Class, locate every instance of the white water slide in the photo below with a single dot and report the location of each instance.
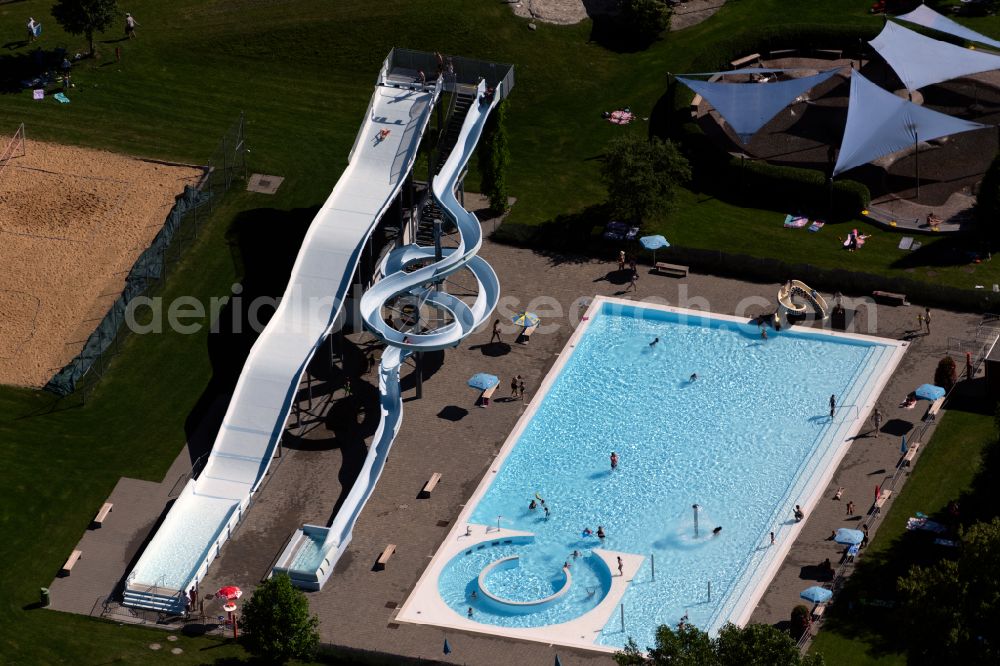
(793, 288)
(209, 508)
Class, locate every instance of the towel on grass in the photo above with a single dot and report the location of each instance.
(925, 524)
(816, 226)
(61, 98)
(795, 222)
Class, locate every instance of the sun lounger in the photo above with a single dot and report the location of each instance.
(852, 552)
(818, 611)
(911, 453)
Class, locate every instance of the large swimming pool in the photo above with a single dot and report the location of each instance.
(746, 441)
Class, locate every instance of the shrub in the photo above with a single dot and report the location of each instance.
(800, 621)
(494, 158)
(946, 373)
(644, 20)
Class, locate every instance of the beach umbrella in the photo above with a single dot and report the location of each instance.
(903, 448)
(929, 392)
(229, 592)
(558, 663)
(848, 536)
(878, 492)
(525, 319)
(654, 243)
(483, 381)
(447, 647)
(816, 594)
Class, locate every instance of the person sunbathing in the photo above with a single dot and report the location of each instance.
(909, 402)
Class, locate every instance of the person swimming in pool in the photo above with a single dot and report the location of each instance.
(600, 533)
(533, 505)
(654, 342)
(717, 530)
(587, 532)
(694, 376)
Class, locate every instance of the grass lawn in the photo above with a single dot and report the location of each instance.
(950, 468)
(303, 72)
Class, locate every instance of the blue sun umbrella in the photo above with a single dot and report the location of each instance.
(654, 243)
(447, 647)
(483, 381)
(525, 319)
(849, 537)
(816, 594)
(558, 662)
(929, 392)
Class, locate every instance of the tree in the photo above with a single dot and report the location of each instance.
(946, 374)
(644, 20)
(642, 176)
(276, 622)
(800, 620)
(753, 645)
(950, 610)
(85, 17)
(494, 158)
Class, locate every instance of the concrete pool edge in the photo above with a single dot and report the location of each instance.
(425, 605)
(425, 591)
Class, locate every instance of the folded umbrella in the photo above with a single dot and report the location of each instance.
(483, 381)
(816, 594)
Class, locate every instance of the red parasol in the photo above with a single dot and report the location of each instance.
(229, 592)
(878, 492)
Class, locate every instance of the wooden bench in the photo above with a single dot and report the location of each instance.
(695, 103)
(911, 453)
(70, 562)
(670, 269)
(818, 611)
(782, 53)
(933, 410)
(102, 515)
(746, 60)
(889, 297)
(384, 557)
(430, 485)
(833, 54)
(882, 499)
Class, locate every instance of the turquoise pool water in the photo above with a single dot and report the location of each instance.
(746, 441)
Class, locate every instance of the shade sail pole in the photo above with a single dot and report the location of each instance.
(916, 160)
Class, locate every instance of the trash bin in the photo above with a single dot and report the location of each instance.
(43, 596)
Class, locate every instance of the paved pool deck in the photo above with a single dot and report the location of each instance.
(444, 432)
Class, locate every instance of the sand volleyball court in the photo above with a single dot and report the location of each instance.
(72, 223)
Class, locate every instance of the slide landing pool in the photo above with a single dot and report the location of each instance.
(746, 441)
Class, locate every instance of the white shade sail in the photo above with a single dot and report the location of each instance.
(879, 123)
(749, 106)
(928, 18)
(920, 61)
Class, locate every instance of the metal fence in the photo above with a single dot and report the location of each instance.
(180, 230)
